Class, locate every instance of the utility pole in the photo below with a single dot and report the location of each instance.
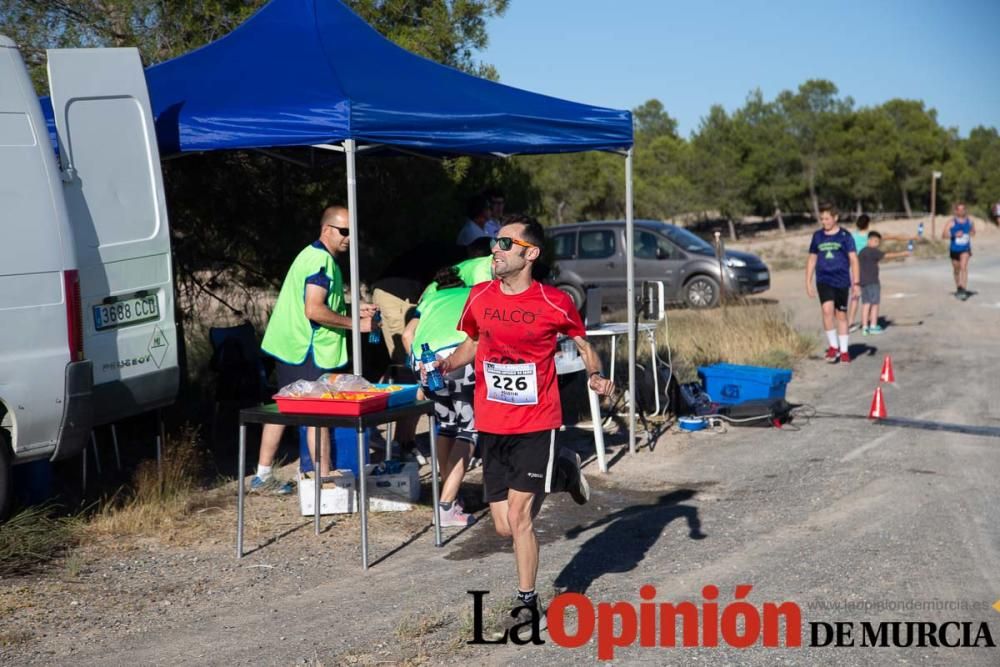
(934, 179)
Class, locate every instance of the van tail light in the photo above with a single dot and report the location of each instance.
(74, 315)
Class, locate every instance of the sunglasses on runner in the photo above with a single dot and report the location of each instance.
(344, 231)
(506, 242)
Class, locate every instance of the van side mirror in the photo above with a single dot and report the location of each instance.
(661, 253)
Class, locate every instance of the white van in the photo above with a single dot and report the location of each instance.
(87, 332)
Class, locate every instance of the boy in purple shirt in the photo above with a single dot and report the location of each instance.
(833, 261)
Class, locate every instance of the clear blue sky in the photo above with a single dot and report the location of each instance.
(696, 53)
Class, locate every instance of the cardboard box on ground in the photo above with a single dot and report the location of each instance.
(387, 491)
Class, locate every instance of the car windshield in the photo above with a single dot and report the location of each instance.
(687, 240)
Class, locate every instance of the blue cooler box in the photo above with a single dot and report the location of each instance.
(404, 396)
(729, 384)
(343, 449)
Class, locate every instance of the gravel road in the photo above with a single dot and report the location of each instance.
(851, 520)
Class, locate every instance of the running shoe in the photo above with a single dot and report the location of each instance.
(455, 517)
(876, 330)
(864, 331)
(854, 327)
(845, 357)
(521, 613)
(832, 354)
(271, 485)
(577, 486)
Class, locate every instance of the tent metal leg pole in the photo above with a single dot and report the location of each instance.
(350, 151)
(630, 298)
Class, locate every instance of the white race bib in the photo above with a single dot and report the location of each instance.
(961, 239)
(515, 384)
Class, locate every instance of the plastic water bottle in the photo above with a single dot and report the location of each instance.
(429, 360)
(909, 245)
(920, 231)
(375, 335)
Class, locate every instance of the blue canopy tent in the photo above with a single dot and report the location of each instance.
(313, 73)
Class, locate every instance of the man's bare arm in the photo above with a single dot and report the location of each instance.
(463, 354)
(317, 311)
(592, 362)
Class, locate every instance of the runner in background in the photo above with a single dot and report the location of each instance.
(833, 261)
(960, 229)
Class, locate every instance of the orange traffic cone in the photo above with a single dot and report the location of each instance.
(878, 405)
(887, 374)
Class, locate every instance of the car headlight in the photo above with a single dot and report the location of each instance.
(735, 263)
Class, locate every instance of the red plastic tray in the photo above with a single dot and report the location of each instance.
(327, 406)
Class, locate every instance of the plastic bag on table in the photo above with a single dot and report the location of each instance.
(345, 382)
(304, 388)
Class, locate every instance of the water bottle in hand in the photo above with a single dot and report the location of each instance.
(375, 335)
(429, 361)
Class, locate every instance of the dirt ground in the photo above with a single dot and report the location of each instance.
(834, 509)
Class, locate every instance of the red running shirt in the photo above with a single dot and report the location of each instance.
(516, 390)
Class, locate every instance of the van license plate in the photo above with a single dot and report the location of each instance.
(126, 310)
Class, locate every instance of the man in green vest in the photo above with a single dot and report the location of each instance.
(307, 333)
(436, 324)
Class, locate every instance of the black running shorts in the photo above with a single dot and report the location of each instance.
(957, 256)
(838, 295)
(522, 462)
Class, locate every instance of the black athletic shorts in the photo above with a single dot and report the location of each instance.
(838, 295)
(957, 256)
(522, 461)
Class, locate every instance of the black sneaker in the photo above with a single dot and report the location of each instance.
(520, 613)
(577, 486)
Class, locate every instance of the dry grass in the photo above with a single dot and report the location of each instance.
(10, 638)
(167, 509)
(929, 248)
(422, 623)
(783, 258)
(33, 537)
(758, 335)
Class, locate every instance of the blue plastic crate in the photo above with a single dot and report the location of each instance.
(404, 396)
(729, 384)
(343, 449)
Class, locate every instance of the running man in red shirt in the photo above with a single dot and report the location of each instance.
(512, 323)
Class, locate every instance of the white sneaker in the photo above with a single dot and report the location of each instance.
(455, 517)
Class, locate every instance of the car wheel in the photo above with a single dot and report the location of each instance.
(702, 292)
(574, 293)
(6, 478)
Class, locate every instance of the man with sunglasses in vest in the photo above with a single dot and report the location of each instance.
(307, 333)
(512, 323)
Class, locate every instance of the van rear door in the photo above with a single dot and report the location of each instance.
(114, 193)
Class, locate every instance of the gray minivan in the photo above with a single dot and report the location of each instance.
(87, 332)
(592, 254)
